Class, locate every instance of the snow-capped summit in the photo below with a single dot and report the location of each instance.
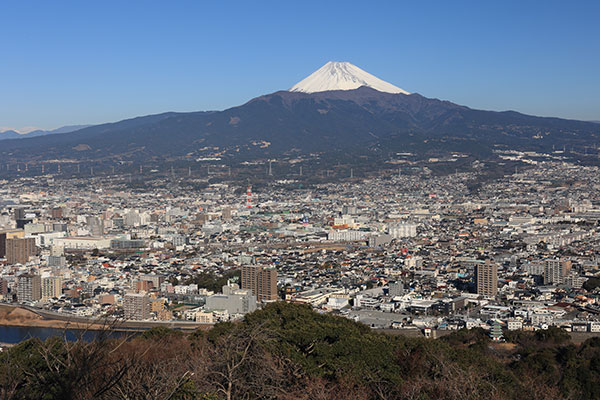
(342, 76)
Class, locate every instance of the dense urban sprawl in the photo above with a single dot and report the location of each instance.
(406, 251)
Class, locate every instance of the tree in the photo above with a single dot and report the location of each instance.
(591, 284)
(240, 364)
(57, 368)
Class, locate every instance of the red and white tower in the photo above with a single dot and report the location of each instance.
(249, 197)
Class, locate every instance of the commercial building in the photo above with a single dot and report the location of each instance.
(57, 261)
(233, 299)
(127, 243)
(233, 303)
(83, 243)
(346, 235)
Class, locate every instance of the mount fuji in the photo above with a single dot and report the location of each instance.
(342, 76)
(338, 110)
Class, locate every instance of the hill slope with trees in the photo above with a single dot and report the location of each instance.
(288, 351)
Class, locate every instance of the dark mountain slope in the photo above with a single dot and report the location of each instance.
(360, 120)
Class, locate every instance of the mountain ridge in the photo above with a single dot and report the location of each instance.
(12, 134)
(362, 120)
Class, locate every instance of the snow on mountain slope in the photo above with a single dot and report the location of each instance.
(342, 76)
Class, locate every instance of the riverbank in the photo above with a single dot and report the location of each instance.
(21, 316)
(17, 316)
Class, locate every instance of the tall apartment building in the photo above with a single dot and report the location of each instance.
(56, 213)
(555, 271)
(261, 280)
(29, 288)
(9, 234)
(143, 286)
(51, 287)
(19, 250)
(487, 279)
(136, 306)
(156, 280)
(95, 226)
(57, 261)
(19, 213)
(3, 287)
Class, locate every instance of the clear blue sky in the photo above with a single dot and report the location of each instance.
(73, 62)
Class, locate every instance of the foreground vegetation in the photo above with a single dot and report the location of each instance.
(290, 352)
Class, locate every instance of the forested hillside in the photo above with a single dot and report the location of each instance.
(290, 352)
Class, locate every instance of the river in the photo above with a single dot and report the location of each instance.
(16, 334)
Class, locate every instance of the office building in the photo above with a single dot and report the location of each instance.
(261, 281)
(239, 303)
(123, 244)
(233, 299)
(487, 279)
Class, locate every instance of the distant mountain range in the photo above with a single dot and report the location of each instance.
(360, 121)
(11, 134)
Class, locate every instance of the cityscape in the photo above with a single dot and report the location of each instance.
(408, 251)
(299, 200)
